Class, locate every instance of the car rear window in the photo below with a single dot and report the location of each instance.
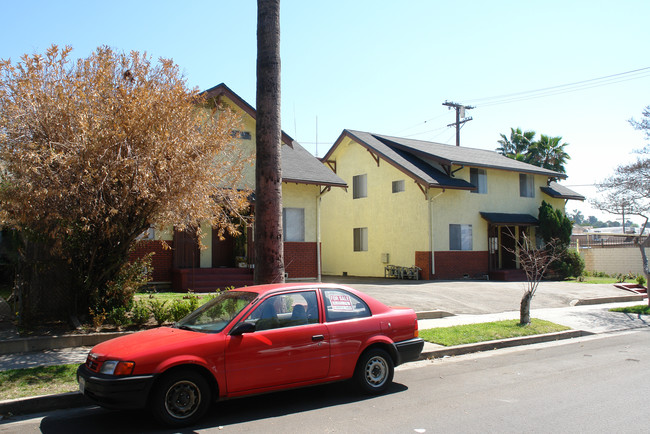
(341, 305)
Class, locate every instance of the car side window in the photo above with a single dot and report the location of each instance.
(341, 305)
(286, 310)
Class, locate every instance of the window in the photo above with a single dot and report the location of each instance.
(478, 178)
(244, 135)
(341, 305)
(460, 237)
(293, 224)
(398, 186)
(286, 310)
(359, 186)
(360, 239)
(526, 185)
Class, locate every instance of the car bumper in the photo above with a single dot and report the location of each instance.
(408, 351)
(114, 392)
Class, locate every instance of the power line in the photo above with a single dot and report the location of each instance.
(563, 88)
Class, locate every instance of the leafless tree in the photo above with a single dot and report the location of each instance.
(534, 260)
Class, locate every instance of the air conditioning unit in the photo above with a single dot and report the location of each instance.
(385, 258)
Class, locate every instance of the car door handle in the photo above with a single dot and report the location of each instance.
(317, 338)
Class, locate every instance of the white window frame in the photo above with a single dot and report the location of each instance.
(359, 186)
(360, 239)
(399, 186)
(526, 185)
(293, 224)
(478, 178)
(460, 237)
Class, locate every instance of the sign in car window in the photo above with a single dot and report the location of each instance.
(341, 305)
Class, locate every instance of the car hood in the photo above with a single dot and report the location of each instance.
(148, 342)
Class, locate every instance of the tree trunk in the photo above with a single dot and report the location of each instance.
(646, 270)
(269, 255)
(524, 310)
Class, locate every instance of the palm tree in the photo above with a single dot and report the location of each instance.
(269, 255)
(549, 153)
(517, 145)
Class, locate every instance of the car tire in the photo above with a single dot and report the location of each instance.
(374, 371)
(180, 398)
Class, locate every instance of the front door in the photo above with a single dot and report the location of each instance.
(186, 249)
(223, 251)
(508, 247)
(289, 346)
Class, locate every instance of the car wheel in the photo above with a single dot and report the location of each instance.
(374, 371)
(181, 398)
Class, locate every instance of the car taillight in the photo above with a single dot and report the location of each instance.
(416, 332)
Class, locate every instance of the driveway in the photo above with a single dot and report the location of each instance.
(473, 297)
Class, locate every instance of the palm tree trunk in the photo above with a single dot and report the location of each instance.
(269, 256)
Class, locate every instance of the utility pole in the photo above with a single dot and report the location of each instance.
(460, 117)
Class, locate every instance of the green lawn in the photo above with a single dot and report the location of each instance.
(642, 309)
(44, 380)
(471, 333)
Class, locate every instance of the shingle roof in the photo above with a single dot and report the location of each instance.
(406, 161)
(298, 165)
(561, 192)
(415, 157)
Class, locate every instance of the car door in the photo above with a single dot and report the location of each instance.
(289, 345)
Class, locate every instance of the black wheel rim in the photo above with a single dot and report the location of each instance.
(182, 399)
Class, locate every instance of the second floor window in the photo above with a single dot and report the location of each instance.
(478, 178)
(526, 185)
(398, 186)
(359, 186)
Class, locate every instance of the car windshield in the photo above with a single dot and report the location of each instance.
(215, 315)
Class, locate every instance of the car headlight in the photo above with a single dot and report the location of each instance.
(116, 367)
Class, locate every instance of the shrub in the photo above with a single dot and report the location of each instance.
(139, 313)
(159, 310)
(117, 316)
(571, 264)
(179, 309)
(640, 280)
(119, 292)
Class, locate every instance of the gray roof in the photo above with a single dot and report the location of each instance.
(561, 192)
(406, 161)
(414, 157)
(299, 166)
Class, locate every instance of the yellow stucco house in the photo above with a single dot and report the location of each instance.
(229, 262)
(445, 209)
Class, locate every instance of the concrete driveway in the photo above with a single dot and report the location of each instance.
(474, 297)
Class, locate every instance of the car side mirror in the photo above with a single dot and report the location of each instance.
(241, 328)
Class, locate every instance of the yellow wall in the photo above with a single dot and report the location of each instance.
(399, 223)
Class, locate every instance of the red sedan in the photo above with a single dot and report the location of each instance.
(252, 340)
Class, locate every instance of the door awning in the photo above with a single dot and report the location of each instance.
(508, 219)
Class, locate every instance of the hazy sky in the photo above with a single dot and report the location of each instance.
(387, 66)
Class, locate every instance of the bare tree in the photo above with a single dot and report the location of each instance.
(534, 261)
(269, 254)
(628, 190)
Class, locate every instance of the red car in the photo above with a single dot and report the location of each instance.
(252, 340)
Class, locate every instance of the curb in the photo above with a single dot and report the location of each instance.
(502, 343)
(40, 343)
(75, 399)
(605, 300)
(38, 404)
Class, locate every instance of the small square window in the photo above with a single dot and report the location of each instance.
(478, 178)
(526, 185)
(460, 237)
(359, 186)
(360, 239)
(398, 186)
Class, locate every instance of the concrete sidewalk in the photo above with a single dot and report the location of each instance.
(452, 303)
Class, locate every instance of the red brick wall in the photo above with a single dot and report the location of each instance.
(161, 260)
(300, 260)
(455, 264)
(423, 260)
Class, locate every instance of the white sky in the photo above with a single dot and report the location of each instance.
(387, 67)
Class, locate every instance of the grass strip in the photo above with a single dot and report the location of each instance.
(43, 380)
(471, 333)
(642, 309)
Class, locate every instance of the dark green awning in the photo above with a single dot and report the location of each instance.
(508, 219)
